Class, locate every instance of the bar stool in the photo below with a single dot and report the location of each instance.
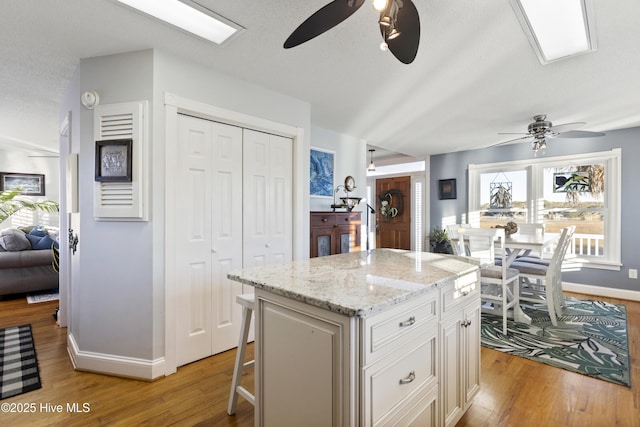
(247, 302)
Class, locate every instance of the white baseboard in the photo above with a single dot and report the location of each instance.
(109, 364)
(601, 291)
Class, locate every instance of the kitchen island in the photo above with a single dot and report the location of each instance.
(366, 338)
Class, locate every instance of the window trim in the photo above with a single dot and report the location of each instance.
(613, 196)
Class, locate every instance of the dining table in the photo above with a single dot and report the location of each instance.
(522, 244)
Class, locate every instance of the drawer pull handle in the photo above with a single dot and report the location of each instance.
(465, 293)
(466, 323)
(324, 220)
(409, 322)
(409, 379)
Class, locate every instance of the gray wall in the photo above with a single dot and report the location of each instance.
(113, 308)
(454, 165)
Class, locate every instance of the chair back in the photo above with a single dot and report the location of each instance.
(452, 231)
(531, 229)
(482, 244)
(555, 266)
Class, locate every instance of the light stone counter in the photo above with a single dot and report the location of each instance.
(358, 283)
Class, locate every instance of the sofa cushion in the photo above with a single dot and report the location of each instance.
(23, 259)
(13, 240)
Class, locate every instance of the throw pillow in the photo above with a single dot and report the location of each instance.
(33, 240)
(39, 231)
(13, 240)
(45, 243)
(26, 228)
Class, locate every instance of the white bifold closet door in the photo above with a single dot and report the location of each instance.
(267, 195)
(234, 198)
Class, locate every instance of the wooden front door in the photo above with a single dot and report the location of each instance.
(393, 198)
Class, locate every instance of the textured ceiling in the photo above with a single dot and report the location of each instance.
(475, 74)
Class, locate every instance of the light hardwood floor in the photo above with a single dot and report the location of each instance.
(515, 391)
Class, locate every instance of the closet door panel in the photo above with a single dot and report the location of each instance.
(193, 261)
(226, 247)
(257, 201)
(280, 192)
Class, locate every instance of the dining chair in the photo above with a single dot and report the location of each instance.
(498, 283)
(452, 231)
(540, 283)
(530, 229)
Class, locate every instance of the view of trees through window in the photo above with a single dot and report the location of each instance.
(577, 199)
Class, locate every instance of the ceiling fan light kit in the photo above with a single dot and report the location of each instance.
(399, 25)
(379, 5)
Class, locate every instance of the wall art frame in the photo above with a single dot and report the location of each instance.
(30, 184)
(321, 172)
(113, 160)
(447, 189)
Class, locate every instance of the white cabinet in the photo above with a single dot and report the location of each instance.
(416, 363)
(460, 343)
(399, 363)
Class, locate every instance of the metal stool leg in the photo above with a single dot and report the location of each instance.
(247, 302)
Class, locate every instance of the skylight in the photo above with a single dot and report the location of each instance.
(557, 29)
(188, 16)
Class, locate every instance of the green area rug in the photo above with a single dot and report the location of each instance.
(591, 338)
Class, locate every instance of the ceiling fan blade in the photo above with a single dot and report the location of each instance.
(512, 133)
(513, 140)
(405, 46)
(323, 20)
(579, 134)
(565, 127)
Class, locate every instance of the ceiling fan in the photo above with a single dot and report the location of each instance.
(541, 129)
(399, 25)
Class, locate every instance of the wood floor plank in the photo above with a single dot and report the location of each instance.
(514, 391)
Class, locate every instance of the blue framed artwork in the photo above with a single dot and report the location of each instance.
(322, 165)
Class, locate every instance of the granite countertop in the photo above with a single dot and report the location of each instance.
(358, 283)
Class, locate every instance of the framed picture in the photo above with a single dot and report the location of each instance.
(30, 184)
(447, 189)
(322, 166)
(113, 160)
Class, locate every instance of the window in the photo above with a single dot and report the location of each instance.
(581, 190)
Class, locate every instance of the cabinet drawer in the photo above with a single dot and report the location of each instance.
(320, 219)
(348, 218)
(462, 289)
(396, 379)
(419, 411)
(399, 326)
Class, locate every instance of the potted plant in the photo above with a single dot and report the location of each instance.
(439, 241)
(11, 202)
